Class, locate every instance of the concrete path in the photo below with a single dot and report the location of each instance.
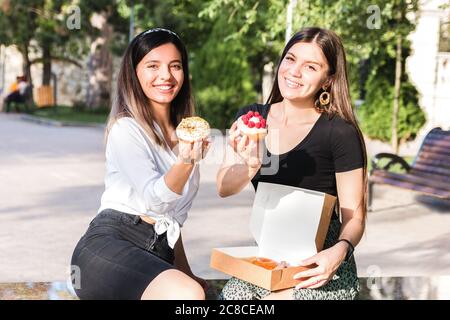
(52, 180)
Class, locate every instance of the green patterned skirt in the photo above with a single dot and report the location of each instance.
(343, 286)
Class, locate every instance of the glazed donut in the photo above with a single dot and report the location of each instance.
(193, 129)
(266, 263)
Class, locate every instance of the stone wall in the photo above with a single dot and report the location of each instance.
(72, 81)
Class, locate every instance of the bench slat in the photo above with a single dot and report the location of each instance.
(432, 170)
(439, 134)
(441, 163)
(427, 176)
(437, 143)
(433, 156)
(411, 186)
(430, 173)
(427, 181)
(435, 149)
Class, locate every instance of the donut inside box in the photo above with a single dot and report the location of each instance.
(289, 224)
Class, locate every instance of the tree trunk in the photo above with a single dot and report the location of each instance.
(100, 65)
(47, 65)
(26, 64)
(398, 75)
(26, 69)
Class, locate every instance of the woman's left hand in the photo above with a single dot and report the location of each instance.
(327, 262)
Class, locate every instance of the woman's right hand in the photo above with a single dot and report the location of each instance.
(248, 150)
(192, 152)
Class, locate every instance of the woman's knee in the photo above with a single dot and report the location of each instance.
(173, 285)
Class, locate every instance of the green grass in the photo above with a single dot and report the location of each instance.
(70, 114)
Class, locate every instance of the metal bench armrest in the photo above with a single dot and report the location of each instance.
(394, 159)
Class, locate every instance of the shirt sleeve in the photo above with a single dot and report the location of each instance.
(187, 207)
(346, 147)
(129, 155)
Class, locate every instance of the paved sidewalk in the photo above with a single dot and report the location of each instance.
(52, 180)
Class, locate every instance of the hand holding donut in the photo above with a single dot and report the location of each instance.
(193, 143)
(247, 143)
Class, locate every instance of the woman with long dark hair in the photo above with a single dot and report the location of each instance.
(133, 247)
(314, 139)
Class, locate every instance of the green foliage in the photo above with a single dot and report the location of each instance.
(117, 15)
(230, 41)
(222, 77)
(259, 27)
(227, 66)
(218, 105)
(17, 21)
(38, 26)
(375, 114)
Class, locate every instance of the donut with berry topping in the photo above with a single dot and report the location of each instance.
(253, 125)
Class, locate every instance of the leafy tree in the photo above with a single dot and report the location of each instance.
(222, 76)
(377, 110)
(105, 34)
(259, 27)
(37, 28)
(370, 46)
(230, 42)
(40, 27)
(391, 109)
(17, 27)
(228, 67)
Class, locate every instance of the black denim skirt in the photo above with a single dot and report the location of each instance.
(118, 256)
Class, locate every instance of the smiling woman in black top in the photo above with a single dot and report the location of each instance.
(331, 146)
(313, 142)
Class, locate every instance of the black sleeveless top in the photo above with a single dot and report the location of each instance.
(331, 146)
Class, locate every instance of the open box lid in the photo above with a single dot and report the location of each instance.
(288, 223)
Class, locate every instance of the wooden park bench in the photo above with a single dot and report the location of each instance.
(429, 173)
(25, 102)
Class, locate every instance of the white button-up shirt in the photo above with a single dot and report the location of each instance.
(134, 181)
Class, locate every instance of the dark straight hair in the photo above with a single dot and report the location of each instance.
(130, 99)
(340, 104)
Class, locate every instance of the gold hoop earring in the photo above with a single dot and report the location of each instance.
(319, 108)
(324, 98)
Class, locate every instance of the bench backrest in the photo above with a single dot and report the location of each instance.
(434, 155)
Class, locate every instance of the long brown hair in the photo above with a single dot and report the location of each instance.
(131, 101)
(340, 104)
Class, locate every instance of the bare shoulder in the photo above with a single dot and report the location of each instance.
(276, 109)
